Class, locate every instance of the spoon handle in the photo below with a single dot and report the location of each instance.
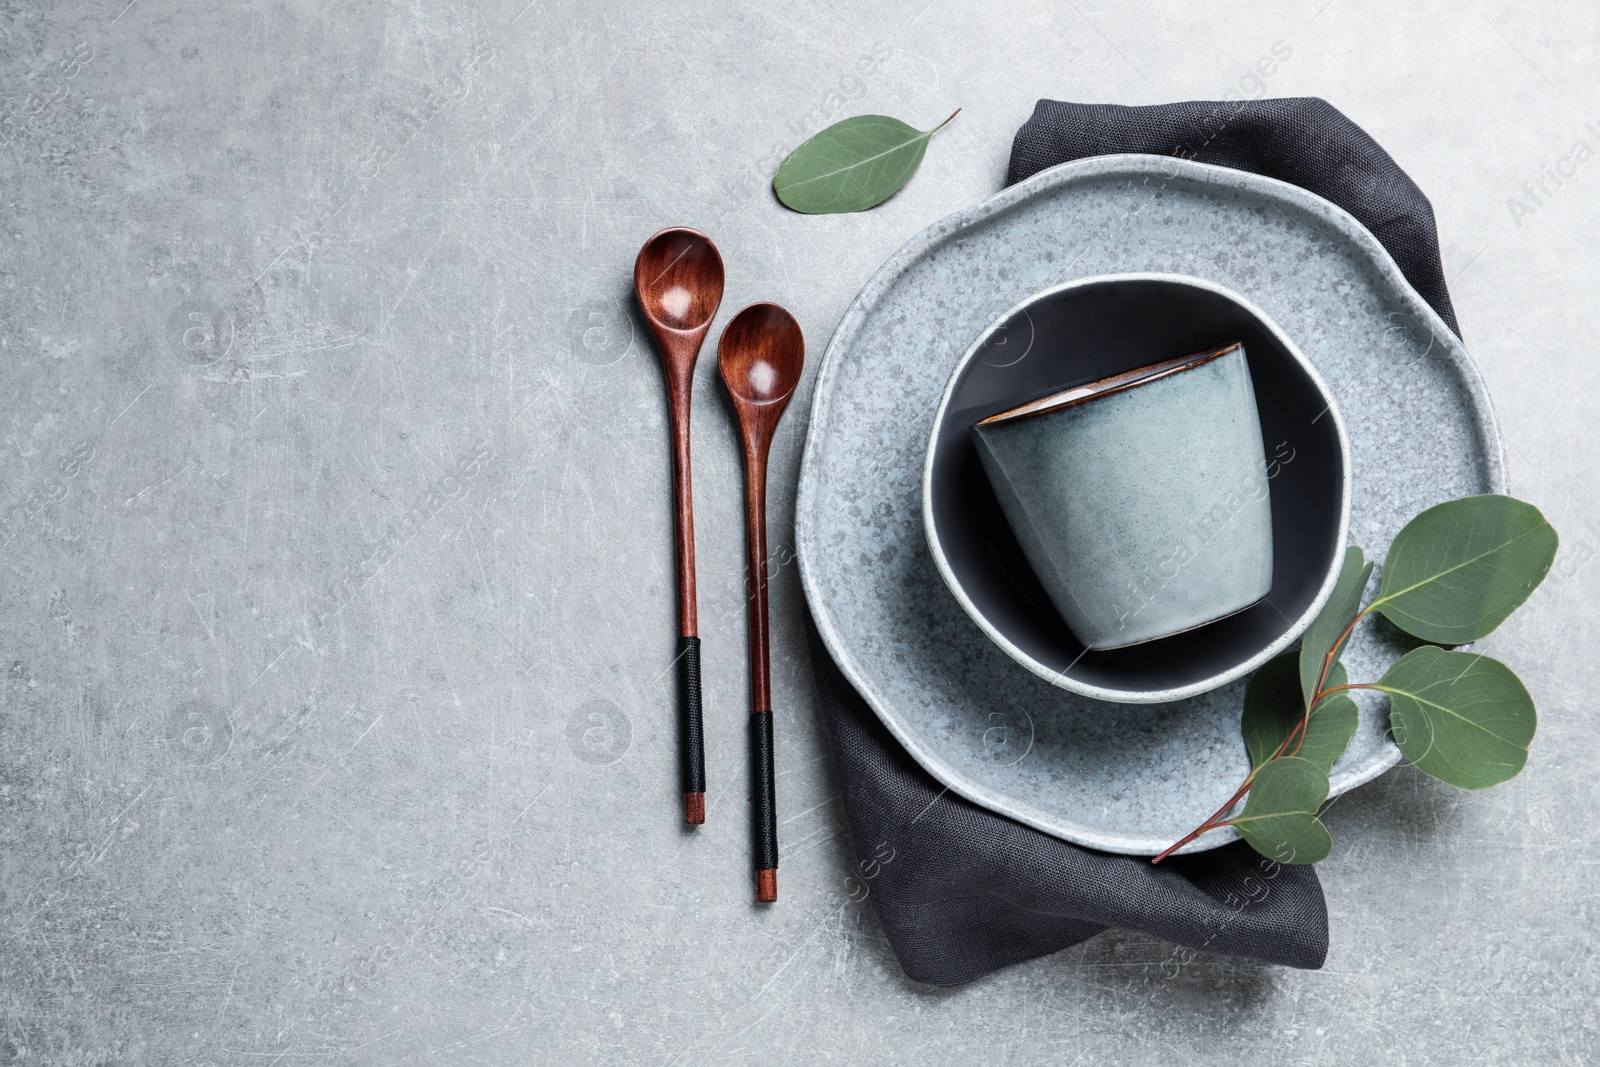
(691, 722)
(691, 729)
(763, 778)
(764, 799)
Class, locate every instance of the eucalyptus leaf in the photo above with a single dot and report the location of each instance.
(1457, 570)
(1280, 815)
(1272, 708)
(1331, 622)
(1463, 718)
(853, 165)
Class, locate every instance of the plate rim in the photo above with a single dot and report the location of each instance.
(1124, 165)
(1136, 696)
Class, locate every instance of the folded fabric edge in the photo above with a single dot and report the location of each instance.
(969, 949)
(1357, 178)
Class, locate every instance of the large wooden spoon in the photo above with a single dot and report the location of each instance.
(678, 280)
(761, 355)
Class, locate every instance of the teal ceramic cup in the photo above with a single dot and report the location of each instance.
(1141, 500)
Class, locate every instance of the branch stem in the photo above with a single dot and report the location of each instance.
(1342, 688)
(1297, 734)
(1327, 661)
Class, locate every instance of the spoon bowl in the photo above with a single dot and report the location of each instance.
(679, 279)
(761, 355)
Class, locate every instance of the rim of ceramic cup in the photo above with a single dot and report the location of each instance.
(1107, 386)
(1059, 678)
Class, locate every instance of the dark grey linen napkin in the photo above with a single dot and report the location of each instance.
(961, 891)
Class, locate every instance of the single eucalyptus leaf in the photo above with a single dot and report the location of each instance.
(1272, 708)
(1458, 716)
(1292, 837)
(1342, 606)
(1280, 814)
(1457, 570)
(853, 165)
(1333, 724)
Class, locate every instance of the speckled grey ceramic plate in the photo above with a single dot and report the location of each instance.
(1124, 778)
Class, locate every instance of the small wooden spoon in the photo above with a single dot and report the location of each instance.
(678, 280)
(761, 355)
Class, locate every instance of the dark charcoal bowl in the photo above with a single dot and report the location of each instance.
(1090, 329)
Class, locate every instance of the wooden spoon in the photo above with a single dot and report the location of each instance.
(678, 280)
(761, 355)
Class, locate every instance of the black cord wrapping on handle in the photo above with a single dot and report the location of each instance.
(691, 721)
(763, 792)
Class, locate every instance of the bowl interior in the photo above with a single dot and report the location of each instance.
(1086, 332)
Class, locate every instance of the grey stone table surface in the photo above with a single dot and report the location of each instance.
(336, 598)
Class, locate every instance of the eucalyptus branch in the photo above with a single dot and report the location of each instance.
(1296, 734)
(1453, 574)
